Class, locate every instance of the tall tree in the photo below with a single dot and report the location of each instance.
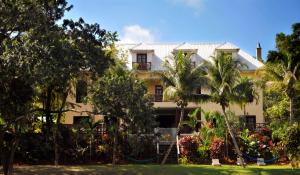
(16, 97)
(122, 99)
(282, 67)
(225, 85)
(182, 80)
(54, 54)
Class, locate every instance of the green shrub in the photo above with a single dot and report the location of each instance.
(203, 151)
(292, 144)
(183, 160)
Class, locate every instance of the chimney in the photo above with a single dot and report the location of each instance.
(258, 52)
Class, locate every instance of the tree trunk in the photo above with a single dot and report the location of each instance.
(9, 158)
(115, 144)
(56, 130)
(91, 141)
(56, 146)
(177, 132)
(291, 111)
(237, 149)
(48, 116)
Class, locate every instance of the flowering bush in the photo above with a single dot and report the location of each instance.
(217, 148)
(258, 144)
(188, 146)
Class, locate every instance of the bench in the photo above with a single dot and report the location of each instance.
(261, 162)
(215, 162)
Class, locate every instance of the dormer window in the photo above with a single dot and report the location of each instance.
(186, 48)
(143, 55)
(227, 48)
(142, 62)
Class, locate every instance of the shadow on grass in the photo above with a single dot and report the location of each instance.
(152, 169)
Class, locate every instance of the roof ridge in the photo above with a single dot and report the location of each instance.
(174, 43)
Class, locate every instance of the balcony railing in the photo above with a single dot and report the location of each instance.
(166, 134)
(142, 66)
(156, 97)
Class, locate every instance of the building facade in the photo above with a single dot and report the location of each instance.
(148, 59)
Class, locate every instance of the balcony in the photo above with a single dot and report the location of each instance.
(156, 97)
(142, 66)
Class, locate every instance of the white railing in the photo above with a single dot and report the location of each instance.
(166, 134)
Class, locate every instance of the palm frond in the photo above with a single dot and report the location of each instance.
(170, 93)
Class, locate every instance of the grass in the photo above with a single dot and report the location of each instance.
(154, 169)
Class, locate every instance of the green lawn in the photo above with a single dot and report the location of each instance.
(154, 169)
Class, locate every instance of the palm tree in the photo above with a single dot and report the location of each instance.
(246, 93)
(283, 72)
(224, 79)
(181, 79)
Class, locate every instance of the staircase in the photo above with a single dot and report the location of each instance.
(173, 156)
(168, 135)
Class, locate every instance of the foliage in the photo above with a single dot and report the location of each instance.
(278, 130)
(258, 144)
(282, 68)
(188, 146)
(183, 160)
(34, 149)
(217, 149)
(203, 151)
(119, 94)
(141, 147)
(122, 99)
(40, 57)
(276, 105)
(181, 79)
(292, 143)
(192, 120)
(219, 129)
(226, 86)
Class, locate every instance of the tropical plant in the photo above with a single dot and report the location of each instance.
(217, 148)
(246, 93)
(181, 80)
(282, 67)
(122, 99)
(215, 122)
(224, 80)
(292, 144)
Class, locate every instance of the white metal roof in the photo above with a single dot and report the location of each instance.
(204, 51)
(227, 46)
(141, 47)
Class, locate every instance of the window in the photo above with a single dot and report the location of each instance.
(158, 93)
(81, 91)
(198, 90)
(158, 90)
(141, 58)
(251, 122)
(248, 121)
(80, 120)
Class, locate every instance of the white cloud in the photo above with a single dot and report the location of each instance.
(136, 33)
(194, 4)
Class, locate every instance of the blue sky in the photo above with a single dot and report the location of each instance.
(242, 22)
